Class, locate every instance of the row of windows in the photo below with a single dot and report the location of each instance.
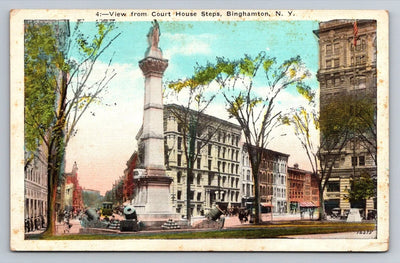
(334, 63)
(358, 160)
(35, 176)
(335, 49)
(221, 180)
(223, 167)
(273, 166)
(246, 175)
(280, 192)
(222, 137)
(234, 196)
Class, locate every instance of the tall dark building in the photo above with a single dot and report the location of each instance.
(348, 70)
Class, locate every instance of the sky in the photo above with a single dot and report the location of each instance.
(106, 133)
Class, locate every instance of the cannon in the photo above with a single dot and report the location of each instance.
(130, 213)
(130, 222)
(215, 213)
(90, 219)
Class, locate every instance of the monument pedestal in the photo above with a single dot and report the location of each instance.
(151, 201)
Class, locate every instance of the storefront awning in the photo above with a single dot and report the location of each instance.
(307, 204)
(266, 204)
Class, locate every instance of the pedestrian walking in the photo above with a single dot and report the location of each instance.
(31, 222)
(26, 225)
(42, 220)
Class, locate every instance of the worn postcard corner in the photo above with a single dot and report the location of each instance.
(199, 130)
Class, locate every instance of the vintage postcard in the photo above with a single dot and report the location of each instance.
(199, 130)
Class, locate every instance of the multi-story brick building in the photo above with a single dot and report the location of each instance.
(273, 179)
(302, 188)
(128, 184)
(216, 172)
(73, 200)
(348, 69)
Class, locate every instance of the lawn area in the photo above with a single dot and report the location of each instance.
(248, 232)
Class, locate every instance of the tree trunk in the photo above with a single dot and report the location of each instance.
(54, 172)
(321, 210)
(257, 200)
(189, 170)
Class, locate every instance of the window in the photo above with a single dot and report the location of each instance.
(179, 177)
(333, 187)
(223, 152)
(328, 49)
(179, 161)
(198, 196)
(336, 63)
(180, 127)
(361, 160)
(198, 163)
(223, 167)
(328, 63)
(198, 179)
(179, 143)
(191, 196)
(336, 48)
(210, 178)
(209, 149)
(219, 150)
(179, 195)
(191, 178)
(209, 164)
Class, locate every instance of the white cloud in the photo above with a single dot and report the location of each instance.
(187, 45)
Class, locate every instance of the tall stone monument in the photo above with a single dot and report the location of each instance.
(152, 198)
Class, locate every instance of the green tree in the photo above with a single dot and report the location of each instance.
(341, 119)
(361, 189)
(253, 107)
(57, 94)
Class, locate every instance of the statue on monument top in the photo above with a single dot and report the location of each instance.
(153, 36)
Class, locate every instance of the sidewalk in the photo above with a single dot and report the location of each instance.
(76, 225)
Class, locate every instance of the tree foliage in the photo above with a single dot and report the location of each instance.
(250, 87)
(340, 120)
(361, 188)
(42, 61)
(57, 90)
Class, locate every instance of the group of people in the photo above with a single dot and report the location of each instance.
(34, 223)
(304, 210)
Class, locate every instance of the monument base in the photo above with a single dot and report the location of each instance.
(354, 215)
(152, 199)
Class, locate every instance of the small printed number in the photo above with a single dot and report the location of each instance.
(364, 232)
